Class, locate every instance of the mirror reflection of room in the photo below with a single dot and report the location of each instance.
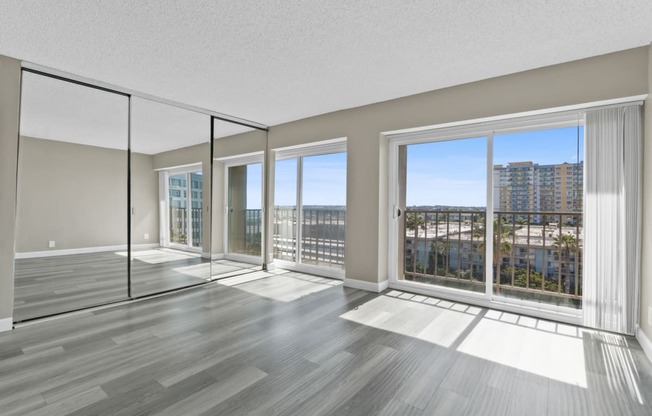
(71, 227)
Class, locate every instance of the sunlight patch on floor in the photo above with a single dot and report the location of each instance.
(285, 287)
(529, 345)
(548, 349)
(438, 322)
(160, 255)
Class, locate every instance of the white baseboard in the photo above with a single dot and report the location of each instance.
(375, 287)
(6, 324)
(217, 256)
(645, 342)
(84, 250)
(205, 255)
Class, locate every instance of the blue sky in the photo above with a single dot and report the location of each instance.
(324, 180)
(439, 173)
(454, 172)
(254, 186)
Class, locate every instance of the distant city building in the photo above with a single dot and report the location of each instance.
(179, 191)
(528, 186)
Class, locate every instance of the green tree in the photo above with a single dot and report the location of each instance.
(536, 279)
(565, 244)
(438, 256)
(415, 221)
(502, 245)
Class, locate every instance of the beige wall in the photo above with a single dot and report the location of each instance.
(575, 82)
(76, 195)
(9, 117)
(646, 264)
(144, 200)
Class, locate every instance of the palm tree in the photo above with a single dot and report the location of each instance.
(501, 241)
(438, 254)
(565, 244)
(521, 221)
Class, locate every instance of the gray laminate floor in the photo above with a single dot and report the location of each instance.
(285, 343)
(50, 285)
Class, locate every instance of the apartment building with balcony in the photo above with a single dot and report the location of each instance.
(529, 186)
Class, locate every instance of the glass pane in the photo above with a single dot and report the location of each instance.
(71, 231)
(443, 224)
(538, 194)
(285, 210)
(324, 210)
(245, 209)
(196, 213)
(167, 230)
(178, 202)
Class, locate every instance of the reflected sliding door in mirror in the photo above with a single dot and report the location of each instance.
(185, 201)
(244, 210)
(238, 243)
(170, 151)
(71, 228)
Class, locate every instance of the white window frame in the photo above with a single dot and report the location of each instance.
(471, 129)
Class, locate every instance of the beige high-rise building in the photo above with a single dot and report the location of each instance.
(528, 186)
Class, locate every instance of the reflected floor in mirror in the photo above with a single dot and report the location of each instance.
(286, 343)
(51, 285)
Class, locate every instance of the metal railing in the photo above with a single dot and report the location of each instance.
(253, 234)
(322, 236)
(536, 255)
(179, 226)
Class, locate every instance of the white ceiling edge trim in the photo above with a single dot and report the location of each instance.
(134, 93)
(476, 125)
(321, 147)
(179, 168)
(241, 159)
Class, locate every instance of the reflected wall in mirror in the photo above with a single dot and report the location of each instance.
(170, 157)
(238, 232)
(71, 226)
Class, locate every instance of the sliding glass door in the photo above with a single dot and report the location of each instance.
(445, 213)
(310, 211)
(538, 215)
(505, 207)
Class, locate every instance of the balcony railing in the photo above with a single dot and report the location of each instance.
(179, 226)
(253, 235)
(536, 255)
(322, 236)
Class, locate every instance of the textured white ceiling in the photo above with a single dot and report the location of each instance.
(277, 61)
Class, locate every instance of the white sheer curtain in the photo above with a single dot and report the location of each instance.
(612, 218)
